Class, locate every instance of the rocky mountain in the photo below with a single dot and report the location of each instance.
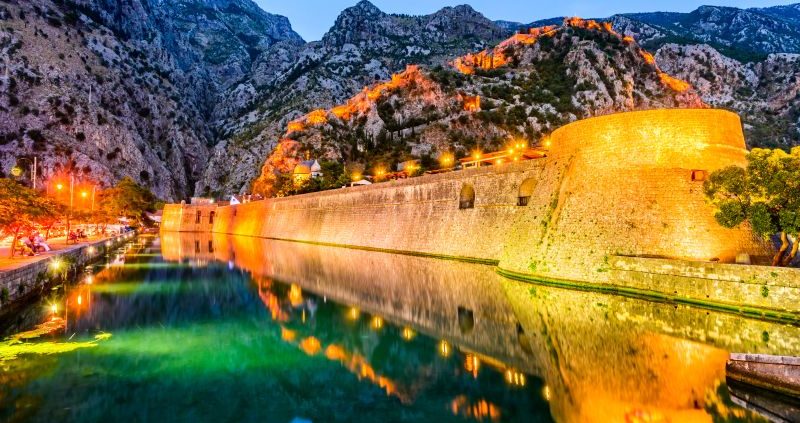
(102, 89)
(523, 88)
(195, 96)
(766, 94)
(746, 34)
(363, 46)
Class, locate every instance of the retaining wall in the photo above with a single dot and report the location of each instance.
(28, 280)
(627, 184)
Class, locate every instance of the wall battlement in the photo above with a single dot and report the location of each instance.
(623, 184)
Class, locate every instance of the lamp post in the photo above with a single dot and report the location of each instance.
(17, 171)
(59, 187)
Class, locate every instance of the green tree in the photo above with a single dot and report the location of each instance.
(21, 209)
(766, 194)
(127, 199)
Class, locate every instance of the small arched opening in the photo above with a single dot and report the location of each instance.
(466, 320)
(467, 197)
(525, 192)
(211, 218)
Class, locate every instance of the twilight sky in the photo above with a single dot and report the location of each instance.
(312, 18)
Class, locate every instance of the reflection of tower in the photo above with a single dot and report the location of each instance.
(607, 358)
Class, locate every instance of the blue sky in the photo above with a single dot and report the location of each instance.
(312, 18)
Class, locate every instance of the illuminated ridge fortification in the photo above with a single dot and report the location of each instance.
(617, 204)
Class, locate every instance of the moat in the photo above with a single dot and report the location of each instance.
(188, 327)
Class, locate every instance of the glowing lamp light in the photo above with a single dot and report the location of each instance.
(476, 155)
(89, 279)
(444, 349)
(55, 264)
(90, 250)
(84, 194)
(108, 243)
(59, 186)
(16, 171)
(499, 161)
(472, 364)
(377, 323)
(356, 177)
(408, 333)
(80, 300)
(546, 393)
(53, 308)
(353, 313)
(515, 378)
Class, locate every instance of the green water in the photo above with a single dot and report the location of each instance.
(267, 331)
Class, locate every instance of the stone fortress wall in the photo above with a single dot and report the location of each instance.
(613, 189)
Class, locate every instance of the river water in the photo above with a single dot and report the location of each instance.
(202, 328)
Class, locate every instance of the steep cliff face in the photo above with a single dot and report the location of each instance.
(525, 87)
(191, 96)
(104, 89)
(363, 46)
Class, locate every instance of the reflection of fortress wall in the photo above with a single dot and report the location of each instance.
(418, 291)
(608, 358)
(603, 357)
(628, 184)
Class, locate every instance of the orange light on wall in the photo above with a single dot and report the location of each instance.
(377, 323)
(472, 364)
(317, 117)
(515, 378)
(353, 313)
(446, 160)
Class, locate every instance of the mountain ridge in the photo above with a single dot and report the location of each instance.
(192, 96)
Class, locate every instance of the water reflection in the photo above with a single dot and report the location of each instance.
(242, 329)
(602, 358)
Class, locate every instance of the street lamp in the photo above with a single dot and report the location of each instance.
(16, 171)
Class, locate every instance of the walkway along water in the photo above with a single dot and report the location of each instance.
(23, 279)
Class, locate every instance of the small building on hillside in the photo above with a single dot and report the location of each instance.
(306, 170)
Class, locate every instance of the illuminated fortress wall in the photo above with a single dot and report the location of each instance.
(419, 214)
(630, 184)
(614, 194)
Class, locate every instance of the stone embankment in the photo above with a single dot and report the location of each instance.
(25, 281)
(617, 205)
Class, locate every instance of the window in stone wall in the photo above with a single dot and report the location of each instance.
(211, 218)
(210, 246)
(466, 320)
(467, 197)
(198, 216)
(525, 192)
(699, 175)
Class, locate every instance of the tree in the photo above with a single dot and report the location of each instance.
(127, 199)
(766, 194)
(21, 209)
